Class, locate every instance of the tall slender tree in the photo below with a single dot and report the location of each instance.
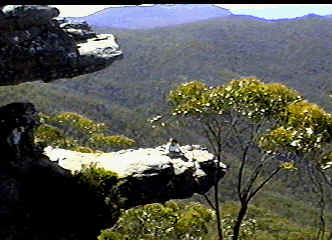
(260, 123)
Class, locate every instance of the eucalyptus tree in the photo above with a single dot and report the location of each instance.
(307, 132)
(256, 122)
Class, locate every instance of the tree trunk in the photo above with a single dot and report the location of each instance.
(219, 226)
(240, 217)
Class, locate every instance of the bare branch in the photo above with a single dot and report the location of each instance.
(209, 202)
(252, 194)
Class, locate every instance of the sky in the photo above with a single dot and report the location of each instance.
(268, 11)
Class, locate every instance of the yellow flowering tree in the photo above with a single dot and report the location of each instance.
(268, 126)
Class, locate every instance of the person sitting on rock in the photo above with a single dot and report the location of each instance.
(175, 150)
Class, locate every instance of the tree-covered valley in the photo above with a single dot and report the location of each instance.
(127, 95)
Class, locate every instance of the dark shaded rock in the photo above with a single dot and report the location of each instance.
(25, 16)
(35, 46)
(38, 199)
(16, 130)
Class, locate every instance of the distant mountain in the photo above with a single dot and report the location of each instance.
(286, 11)
(159, 15)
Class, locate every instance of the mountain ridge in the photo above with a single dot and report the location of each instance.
(159, 15)
(166, 15)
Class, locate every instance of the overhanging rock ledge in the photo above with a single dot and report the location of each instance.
(34, 45)
(150, 174)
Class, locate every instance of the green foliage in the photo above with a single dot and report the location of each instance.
(258, 100)
(173, 220)
(48, 134)
(263, 223)
(96, 178)
(187, 94)
(244, 111)
(307, 127)
(103, 184)
(326, 161)
(299, 126)
(83, 149)
(248, 228)
(63, 129)
(99, 141)
(79, 122)
(247, 96)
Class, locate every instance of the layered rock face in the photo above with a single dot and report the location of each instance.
(28, 180)
(35, 46)
(150, 174)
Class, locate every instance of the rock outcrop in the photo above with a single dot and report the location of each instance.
(36, 46)
(42, 199)
(39, 199)
(150, 174)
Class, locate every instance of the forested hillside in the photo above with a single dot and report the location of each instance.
(294, 52)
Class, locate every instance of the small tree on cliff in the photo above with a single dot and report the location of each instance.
(64, 129)
(243, 117)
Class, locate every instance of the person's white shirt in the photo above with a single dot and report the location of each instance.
(174, 148)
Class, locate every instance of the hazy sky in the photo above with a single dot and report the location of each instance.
(260, 10)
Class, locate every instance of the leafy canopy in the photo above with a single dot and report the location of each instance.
(297, 125)
(157, 221)
(76, 132)
(248, 96)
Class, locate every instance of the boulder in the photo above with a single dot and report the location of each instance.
(149, 174)
(34, 45)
